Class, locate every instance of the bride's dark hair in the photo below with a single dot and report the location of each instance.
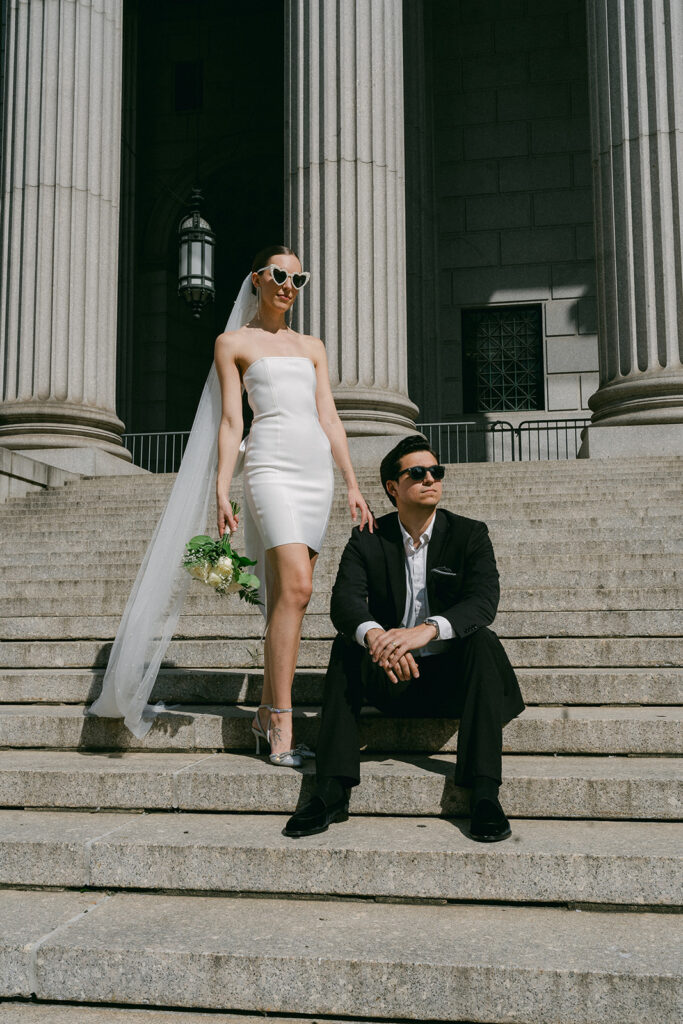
(264, 256)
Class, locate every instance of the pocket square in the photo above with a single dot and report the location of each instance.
(443, 570)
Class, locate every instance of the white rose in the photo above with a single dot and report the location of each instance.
(225, 564)
(199, 570)
(214, 579)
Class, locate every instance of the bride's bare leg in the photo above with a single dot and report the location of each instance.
(289, 580)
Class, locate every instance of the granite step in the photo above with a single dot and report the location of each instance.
(227, 652)
(143, 516)
(625, 470)
(503, 501)
(584, 686)
(505, 530)
(157, 488)
(553, 730)
(531, 565)
(534, 786)
(248, 624)
(68, 577)
(341, 958)
(499, 511)
(21, 1012)
(105, 597)
(464, 494)
(479, 493)
(526, 549)
(605, 862)
(468, 476)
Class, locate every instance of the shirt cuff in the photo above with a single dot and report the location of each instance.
(446, 631)
(363, 629)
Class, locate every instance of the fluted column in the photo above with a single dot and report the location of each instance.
(58, 248)
(636, 85)
(345, 205)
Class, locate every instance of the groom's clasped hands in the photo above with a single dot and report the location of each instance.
(392, 649)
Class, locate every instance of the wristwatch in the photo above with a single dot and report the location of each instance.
(435, 624)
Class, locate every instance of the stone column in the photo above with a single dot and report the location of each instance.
(636, 86)
(345, 202)
(58, 247)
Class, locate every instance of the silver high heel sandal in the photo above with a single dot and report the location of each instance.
(257, 729)
(288, 758)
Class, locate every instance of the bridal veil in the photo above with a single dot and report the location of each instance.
(156, 600)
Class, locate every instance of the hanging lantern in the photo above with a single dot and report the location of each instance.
(195, 267)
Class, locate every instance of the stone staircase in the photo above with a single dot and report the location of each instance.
(153, 873)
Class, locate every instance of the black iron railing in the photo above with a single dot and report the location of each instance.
(157, 452)
(498, 441)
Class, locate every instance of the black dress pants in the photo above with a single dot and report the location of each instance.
(472, 680)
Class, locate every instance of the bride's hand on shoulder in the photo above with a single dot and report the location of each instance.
(226, 519)
(357, 503)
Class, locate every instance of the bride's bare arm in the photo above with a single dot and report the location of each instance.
(334, 428)
(229, 430)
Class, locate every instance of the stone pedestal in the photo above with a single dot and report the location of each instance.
(636, 87)
(59, 242)
(345, 212)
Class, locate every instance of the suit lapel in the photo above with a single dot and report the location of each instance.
(437, 542)
(392, 544)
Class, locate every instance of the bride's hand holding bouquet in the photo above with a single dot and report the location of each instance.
(215, 562)
(227, 515)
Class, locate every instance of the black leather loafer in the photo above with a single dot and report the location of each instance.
(489, 824)
(316, 816)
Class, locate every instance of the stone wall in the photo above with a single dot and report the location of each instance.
(513, 180)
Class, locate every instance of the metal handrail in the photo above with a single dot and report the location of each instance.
(449, 439)
(549, 440)
(465, 441)
(157, 451)
(500, 441)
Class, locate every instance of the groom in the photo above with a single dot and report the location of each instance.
(411, 603)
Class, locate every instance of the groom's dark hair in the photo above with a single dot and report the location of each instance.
(390, 465)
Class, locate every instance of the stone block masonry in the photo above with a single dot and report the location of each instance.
(512, 167)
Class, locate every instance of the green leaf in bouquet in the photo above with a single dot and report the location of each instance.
(247, 579)
(199, 541)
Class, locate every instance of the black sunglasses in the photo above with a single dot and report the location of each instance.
(420, 472)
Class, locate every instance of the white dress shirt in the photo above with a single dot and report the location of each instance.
(417, 602)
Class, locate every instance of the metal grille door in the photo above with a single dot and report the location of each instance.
(502, 359)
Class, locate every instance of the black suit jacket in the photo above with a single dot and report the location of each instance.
(462, 578)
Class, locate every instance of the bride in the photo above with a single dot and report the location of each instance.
(288, 485)
(288, 479)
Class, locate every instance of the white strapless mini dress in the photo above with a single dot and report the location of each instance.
(288, 473)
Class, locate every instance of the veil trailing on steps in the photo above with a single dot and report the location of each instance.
(156, 600)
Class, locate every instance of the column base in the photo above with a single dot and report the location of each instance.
(32, 426)
(654, 396)
(604, 441)
(374, 412)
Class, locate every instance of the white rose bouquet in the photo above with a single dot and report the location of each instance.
(216, 563)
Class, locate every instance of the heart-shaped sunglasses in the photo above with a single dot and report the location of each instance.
(280, 275)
